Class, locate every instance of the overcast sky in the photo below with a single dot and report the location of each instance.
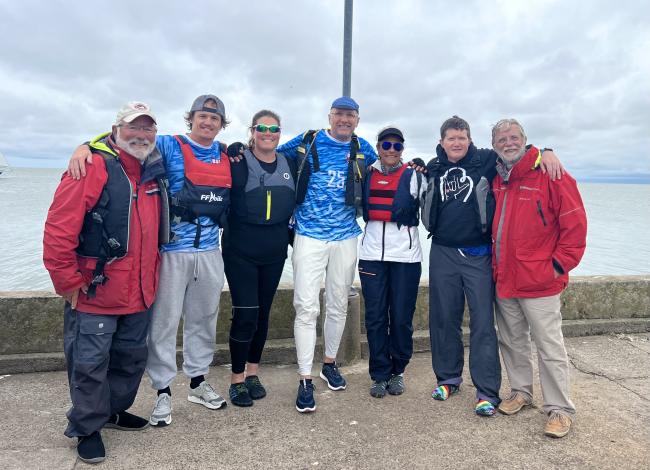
(575, 73)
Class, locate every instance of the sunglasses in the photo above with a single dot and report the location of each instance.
(273, 129)
(398, 146)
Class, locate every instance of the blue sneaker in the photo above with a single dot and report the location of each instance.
(330, 374)
(305, 402)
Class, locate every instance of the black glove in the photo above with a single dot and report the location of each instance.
(419, 162)
(236, 149)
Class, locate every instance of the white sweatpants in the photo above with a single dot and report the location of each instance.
(312, 260)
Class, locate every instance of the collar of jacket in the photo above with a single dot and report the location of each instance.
(528, 162)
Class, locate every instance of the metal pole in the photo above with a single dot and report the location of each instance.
(347, 48)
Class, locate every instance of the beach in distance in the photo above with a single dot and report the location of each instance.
(618, 240)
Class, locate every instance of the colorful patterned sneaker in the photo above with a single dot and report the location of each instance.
(239, 395)
(396, 385)
(330, 374)
(378, 388)
(161, 415)
(443, 392)
(255, 388)
(305, 402)
(205, 395)
(484, 408)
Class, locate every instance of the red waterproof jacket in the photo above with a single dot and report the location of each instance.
(538, 225)
(133, 279)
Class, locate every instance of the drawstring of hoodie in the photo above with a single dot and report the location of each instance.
(196, 266)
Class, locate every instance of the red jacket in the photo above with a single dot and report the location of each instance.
(133, 279)
(538, 224)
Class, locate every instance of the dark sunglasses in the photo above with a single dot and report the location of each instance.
(273, 129)
(398, 146)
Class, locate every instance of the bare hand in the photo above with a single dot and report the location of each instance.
(77, 163)
(551, 164)
(73, 296)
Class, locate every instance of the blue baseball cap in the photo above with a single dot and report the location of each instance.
(345, 102)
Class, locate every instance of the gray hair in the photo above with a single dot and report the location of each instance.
(505, 124)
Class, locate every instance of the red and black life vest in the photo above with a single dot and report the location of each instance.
(205, 191)
(388, 197)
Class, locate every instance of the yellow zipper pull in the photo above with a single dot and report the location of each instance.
(268, 205)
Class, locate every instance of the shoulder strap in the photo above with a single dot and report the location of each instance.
(308, 140)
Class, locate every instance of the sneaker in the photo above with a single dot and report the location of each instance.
(205, 395)
(255, 388)
(125, 421)
(557, 425)
(396, 385)
(161, 415)
(91, 449)
(330, 374)
(514, 403)
(443, 392)
(305, 402)
(484, 408)
(239, 395)
(378, 388)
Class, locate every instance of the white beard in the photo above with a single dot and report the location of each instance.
(130, 147)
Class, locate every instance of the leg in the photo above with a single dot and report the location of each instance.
(446, 307)
(269, 278)
(128, 358)
(374, 285)
(484, 364)
(340, 274)
(175, 270)
(515, 345)
(242, 281)
(404, 284)
(309, 263)
(545, 321)
(201, 308)
(87, 350)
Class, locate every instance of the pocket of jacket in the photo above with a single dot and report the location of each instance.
(534, 270)
(115, 292)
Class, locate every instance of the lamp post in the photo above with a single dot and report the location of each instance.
(347, 48)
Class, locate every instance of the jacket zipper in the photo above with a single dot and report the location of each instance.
(541, 213)
(268, 204)
(383, 239)
(408, 229)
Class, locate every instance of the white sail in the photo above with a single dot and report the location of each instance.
(3, 163)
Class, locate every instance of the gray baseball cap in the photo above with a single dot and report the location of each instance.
(199, 105)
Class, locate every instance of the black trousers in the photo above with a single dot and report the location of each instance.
(390, 291)
(252, 288)
(105, 356)
(453, 277)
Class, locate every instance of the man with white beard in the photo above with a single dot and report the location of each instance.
(100, 247)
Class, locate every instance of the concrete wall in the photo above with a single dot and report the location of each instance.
(31, 323)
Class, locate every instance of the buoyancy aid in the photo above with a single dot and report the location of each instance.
(388, 197)
(106, 227)
(205, 191)
(269, 198)
(356, 171)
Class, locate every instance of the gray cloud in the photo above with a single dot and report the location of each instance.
(574, 73)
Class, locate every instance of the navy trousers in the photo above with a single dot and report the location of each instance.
(105, 356)
(453, 277)
(389, 291)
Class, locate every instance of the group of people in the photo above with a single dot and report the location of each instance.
(132, 242)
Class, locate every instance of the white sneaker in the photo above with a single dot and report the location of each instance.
(205, 395)
(161, 415)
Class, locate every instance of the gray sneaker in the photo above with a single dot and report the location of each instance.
(378, 388)
(161, 415)
(205, 395)
(396, 385)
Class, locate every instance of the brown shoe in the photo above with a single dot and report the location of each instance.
(514, 403)
(557, 425)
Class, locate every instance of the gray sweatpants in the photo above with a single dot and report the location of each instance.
(518, 320)
(189, 287)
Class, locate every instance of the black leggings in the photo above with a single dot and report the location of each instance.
(252, 288)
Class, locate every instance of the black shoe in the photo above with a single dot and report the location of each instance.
(125, 421)
(90, 449)
(239, 395)
(255, 388)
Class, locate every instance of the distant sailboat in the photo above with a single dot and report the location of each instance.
(4, 166)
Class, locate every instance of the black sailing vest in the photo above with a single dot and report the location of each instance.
(267, 198)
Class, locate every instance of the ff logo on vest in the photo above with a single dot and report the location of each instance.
(211, 197)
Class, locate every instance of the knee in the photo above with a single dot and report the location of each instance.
(244, 324)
